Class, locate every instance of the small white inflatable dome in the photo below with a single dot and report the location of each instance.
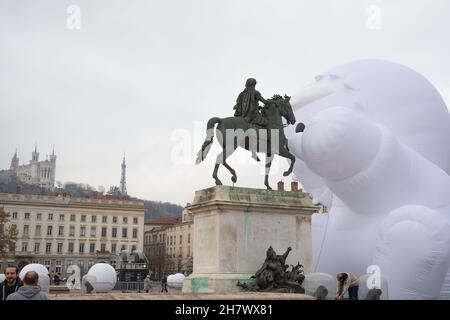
(105, 275)
(175, 280)
(2, 277)
(36, 267)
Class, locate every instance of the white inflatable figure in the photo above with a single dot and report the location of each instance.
(2, 277)
(104, 276)
(376, 150)
(175, 280)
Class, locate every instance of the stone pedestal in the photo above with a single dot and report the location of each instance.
(234, 227)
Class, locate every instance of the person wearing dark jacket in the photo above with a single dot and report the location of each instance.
(11, 284)
(164, 284)
(30, 290)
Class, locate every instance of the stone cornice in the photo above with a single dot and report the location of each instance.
(69, 202)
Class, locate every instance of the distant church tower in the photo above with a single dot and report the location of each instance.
(123, 179)
(14, 162)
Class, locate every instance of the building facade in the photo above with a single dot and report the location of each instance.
(58, 231)
(168, 245)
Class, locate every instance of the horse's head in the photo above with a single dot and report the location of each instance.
(284, 105)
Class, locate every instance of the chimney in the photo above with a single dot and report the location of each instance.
(280, 186)
(294, 186)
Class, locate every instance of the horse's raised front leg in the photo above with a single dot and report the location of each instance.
(268, 164)
(286, 154)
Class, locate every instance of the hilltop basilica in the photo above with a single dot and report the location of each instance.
(39, 173)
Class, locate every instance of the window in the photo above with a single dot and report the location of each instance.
(103, 247)
(37, 247)
(61, 231)
(92, 248)
(124, 232)
(114, 219)
(14, 215)
(170, 240)
(114, 232)
(49, 230)
(135, 233)
(58, 266)
(12, 247)
(59, 247)
(125, 219)
(47, 264)
(39, 216)
(71, 245)
(83, 218)
(103, 231)
(135, 220)
(189, 251)
(189, 238)
(180, 252)
(113, 248)
(104, 219)
(26, 228)
(72, 217)
(82, 231)
(50, 216)
(181, 239)
(27, 216)
(71, 231)
(69, 263)
(123, 247)
(81, 248)
(61, 217)
(94, 219)
(24, 246)
(37, 231)
(81, 264)
(93, 231)
(48, 247)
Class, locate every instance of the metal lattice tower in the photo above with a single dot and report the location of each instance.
(123, 179)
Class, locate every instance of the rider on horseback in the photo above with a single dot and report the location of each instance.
(247, 104)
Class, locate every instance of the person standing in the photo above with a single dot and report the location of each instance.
(147, 283)
(11, 284)
(164, 284)
(347, 283)
(30, 290)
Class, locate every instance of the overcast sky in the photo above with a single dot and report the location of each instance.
(143, 77)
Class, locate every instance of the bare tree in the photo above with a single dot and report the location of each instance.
(8, 234)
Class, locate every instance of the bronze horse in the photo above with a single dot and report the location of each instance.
(234, 132)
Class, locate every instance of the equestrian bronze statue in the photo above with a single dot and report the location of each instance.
(254, 128)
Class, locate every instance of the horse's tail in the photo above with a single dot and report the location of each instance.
(201, 155)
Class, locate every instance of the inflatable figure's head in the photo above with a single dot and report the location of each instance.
(388, 94)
